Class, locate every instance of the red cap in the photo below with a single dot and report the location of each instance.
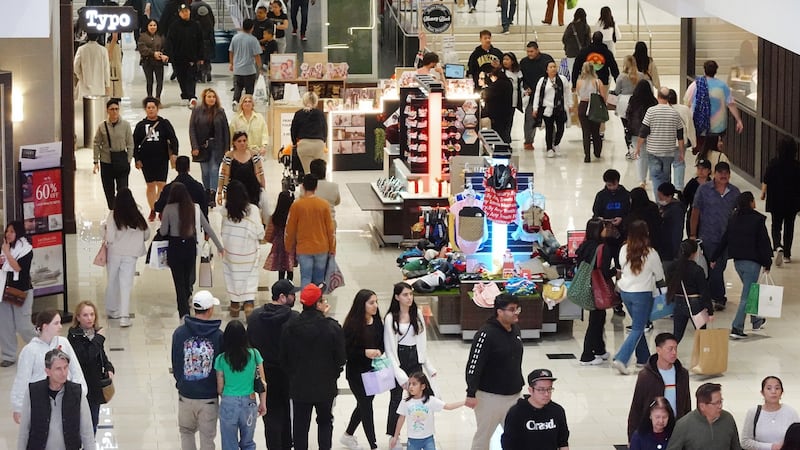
(310, 295)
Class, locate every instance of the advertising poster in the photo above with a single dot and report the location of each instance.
(574, 240)
(47, 268)
(349, 133)
(286, 128)
(42, 201)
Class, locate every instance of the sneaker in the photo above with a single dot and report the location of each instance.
(620, 367)
(586, 159)
(737, 334)
(125, 322)
(294, 32)
(303, 38)
(604, 356)
(556, 149)
(629, 156)
(192, 103)
(595, 362)
(235, 106)
(640, 365)
(551, 153)
(648, 327)
(7, 363)
(779, 257)
(112, 316)
(506, 31)
(349, 442)
(618, 311)
(787, 260)
(528, 146)
(471, 9)
(758, 325)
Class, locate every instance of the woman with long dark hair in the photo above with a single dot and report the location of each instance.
(779, 187)
(241, 232)
(645, 63)
(126, 232)
(641, 99)
(497, 97)
(244, 165)
(576, 36)
(210, 138)
(16, 257)
(151, 57)
(641, 268)
(155, 145)
(552, 101)
(236, 368)
(656, 427)
(687, 286)
(606, 25)
(747, 242)
(405, 344)
(181, 223)
(513, 72)
(279, 259)
(766, 425)
(363, 334)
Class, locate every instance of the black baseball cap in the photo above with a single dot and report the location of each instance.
(183, 6)
(540, 374)
(284, 287)
(704, 163)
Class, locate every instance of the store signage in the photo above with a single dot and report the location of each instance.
(437, 18)
(107, 19)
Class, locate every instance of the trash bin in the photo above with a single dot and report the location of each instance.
(223, 42)
(94, 112)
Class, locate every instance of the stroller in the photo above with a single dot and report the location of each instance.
(292, 169)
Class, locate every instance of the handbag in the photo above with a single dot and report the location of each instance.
(710, 352)
(14, 296)
(101, 257)
(378, 381)
(106, 383)
(205, 272)
(597, 111)
(611, 101)
(119, 159)
(333, 275)
(580, 291)
(259, 385)
(764, 298)
(605, 296)
(661, 308)
(701, 318)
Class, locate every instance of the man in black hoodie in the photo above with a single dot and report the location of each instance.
(312, 354)
(184, 47)
(598, 54)
(264, 327)
(613, 204)
(195, 345)
(536, 422)
(494, 369)
(484, 58)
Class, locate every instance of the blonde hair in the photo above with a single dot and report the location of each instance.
(310, 100)
(587, 72)
(629, 68)
(79, 308)
(246, 97)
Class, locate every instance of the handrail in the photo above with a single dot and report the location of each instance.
(529, 16)
(640, 13)
(387, 5)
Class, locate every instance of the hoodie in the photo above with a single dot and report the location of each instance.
(495, 360)
(610, 204)
(527, 427)
(601, 57)
(195, 345)
(264, 327)
(650, 385)
(481, 61)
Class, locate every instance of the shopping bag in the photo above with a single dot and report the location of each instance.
(710, 352)
(260, 90)
(158, 255)
(605, 296)
(764, 298)
(101, 257)
(661, 308)
(571, 4)
(378, 381)
(611, 101)
(597, 111)
(580, 291)
(333, 276)
(205, 273)
(381, 362)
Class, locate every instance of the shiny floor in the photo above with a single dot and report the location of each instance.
(143, 415)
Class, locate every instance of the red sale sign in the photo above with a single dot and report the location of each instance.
(42, 200)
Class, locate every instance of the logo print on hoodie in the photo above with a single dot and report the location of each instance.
(534, 426)
(198, 358)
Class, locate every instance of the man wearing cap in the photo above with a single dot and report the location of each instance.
(703, 175)
(494, 369)
(264, 327)
(715, 202)
(195, 344)
(536, 422)
(312, 354)
(184, 47)
(204, 16)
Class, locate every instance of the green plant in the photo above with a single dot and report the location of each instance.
(380, 142)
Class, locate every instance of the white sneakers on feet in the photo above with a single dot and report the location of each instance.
(349, 441)
(604, 356)
(621, 368)
(779, 257)
(125, 322)
(192, 103)
(551, 153)
(595, 362)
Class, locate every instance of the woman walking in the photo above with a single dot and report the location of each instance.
(626, 83)
(552, 100)
(645, 64)
(210, 138)
(766, 425)
(243, 165)
(279, 259)
(363, 333)
(779, 187)
(182, 222)
(405, 344)
(152, 58)
(241, 232)
(606, 25)
(309, 131)
(687, 287)
(239, 406)
(514, 74)
(253, 124)
(576, 36)
(126, 232)
(641, 268)
(16, 256)
(497, 97)
(640, 101)
(87, 338)
(155, 145)
(589, 84)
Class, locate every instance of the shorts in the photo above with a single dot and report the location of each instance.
(155, 170)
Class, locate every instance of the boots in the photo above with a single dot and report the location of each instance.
(248, 308)
(234, 309)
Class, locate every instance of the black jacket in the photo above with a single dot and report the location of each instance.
(534, 69)
(650, 385)
(586, 253)
(312, 354)
(264, 327)
(746, 238)
(599, 54)
(357, 361)
(184, 42)
(195, 188)
(495, 360)
(695, 281)
(650, 215)
(576, 36)
(480, 61)
(309, 124)
(783, 186)
(498, 98)
(529, 428)
(611, 204)
(93, 359)
(670, 232)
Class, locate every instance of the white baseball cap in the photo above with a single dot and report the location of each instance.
(204, 300)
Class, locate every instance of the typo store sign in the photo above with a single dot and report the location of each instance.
(436, 18)
(107, 19)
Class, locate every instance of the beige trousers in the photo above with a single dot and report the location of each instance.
(489, 413)
(309, 150)
(197, 415)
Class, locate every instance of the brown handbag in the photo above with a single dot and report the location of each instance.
(14, 296)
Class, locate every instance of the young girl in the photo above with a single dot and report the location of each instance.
(236, 368)
(279, 259)
(419, 406)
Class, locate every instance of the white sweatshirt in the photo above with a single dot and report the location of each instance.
(644, 281)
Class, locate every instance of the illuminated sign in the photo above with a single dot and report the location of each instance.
(108, 19)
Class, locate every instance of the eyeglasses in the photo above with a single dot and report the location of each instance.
(717, 404)
(545, 390)
(516, 310)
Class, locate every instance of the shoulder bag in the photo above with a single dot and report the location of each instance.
(106, 383)
(119, 159)
(580, 290)
(597, 111)
(14, 296)
(605, 296)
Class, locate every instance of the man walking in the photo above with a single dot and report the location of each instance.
(55, 412)
(494, 369)
(507, 10)
(264, 327)
(195, 188)
(113, 151)
(662, 376)
(536, 421)
(204, 16)
(709, 427)
(710, 100)
(184, 48)
(533, 67)
(714, 202)
(310, 233)
(313, 354)
(244, 60)
(195, 345)
(302, 6)
(661, 127)
(484, 59)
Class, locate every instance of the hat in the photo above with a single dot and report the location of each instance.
(704, 163)
(540, 374)
(204, 300)
(183, 6)
(310, 295)
(284, 287)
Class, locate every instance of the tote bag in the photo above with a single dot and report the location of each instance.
(605, 296)
(764, 298)
(378, 381)
(661, 308)
(597, 110)
(580, 291)
(710, 352)
(333, 275)
(699, 319)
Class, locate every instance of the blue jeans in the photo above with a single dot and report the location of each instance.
(642, 163)
(660, 170)
(237, 422)
(748, 272)
(421, 444)
(312, 268)
(210, 173)
(507, 10)
(639, 305)
(678, 172)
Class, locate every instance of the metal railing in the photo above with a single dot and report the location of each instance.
(529, 16)
(392, 13)
(640, 13)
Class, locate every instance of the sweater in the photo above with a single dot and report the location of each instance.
(649, 441)
(148, 45)
(357, 360)
(171, 224)
(649, 385)
(770, 429)
(645, 280)
(309, 124)
(495, 360)
(746, 238)
(309, 227)
(390, 343)
(154, 144)
(255, 127)
(125, 242)
(693, 432)
(121, 140)
(527, 427)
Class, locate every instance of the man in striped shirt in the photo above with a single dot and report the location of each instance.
(661, 130)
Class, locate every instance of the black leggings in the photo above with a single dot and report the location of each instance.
(362, 414)
(591, 131)
(181, 256)
(288, 274)
(785, 221)
(409, 362)
(593, 342)
(153, 68)
(552, 123)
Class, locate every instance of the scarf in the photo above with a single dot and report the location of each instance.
(20, 249)
(558, 98)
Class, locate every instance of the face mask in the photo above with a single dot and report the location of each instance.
(662, 202)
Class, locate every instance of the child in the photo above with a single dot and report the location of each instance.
(279, 259)
(269, 44)
(419, 406)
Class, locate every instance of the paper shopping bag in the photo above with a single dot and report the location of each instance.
(378, 381)
(158, 255)
(764, 298)
(710, 352)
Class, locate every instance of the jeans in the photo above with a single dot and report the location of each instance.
(237, 422)
(641, 164)
(281, 46)
(153, 68)
(277, 421)
(302, 422)
(121, 270)
(312, 268)
(197, 415)
(185, 73)
(112, 181)
(550, 124)
(209, 171)
(507, 10)
(590, 130)
(716, 276)
(15, 320)
(678, 172)
(660, 170)
(301, 5)
(748, 272)
(94, 410)
(246, 82)
(421, 444)
(181, 257)
(785, 220)
(593, 342)
(529, 126)
(362, 414)
(639, 305)
(409, 363)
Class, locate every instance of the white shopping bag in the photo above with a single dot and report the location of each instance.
(158, 255)
(770, 298)
(378, 381)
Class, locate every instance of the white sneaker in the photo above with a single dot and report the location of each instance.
(779, 257)
(349, 441)
(551, 153)
(192, 103)
(595, 362)
(620, 367)
(556, 149)
(235, 106)
(604, 356)
(125, 322)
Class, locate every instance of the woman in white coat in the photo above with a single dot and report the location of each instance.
(405, 344)
(552, 101)
(16, 257)
(92, 68)
(126, 232)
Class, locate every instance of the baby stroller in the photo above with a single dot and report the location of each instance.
(292, 169)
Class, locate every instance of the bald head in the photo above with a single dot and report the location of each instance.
(663, 94)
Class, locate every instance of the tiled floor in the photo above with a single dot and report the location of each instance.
(143, 413)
